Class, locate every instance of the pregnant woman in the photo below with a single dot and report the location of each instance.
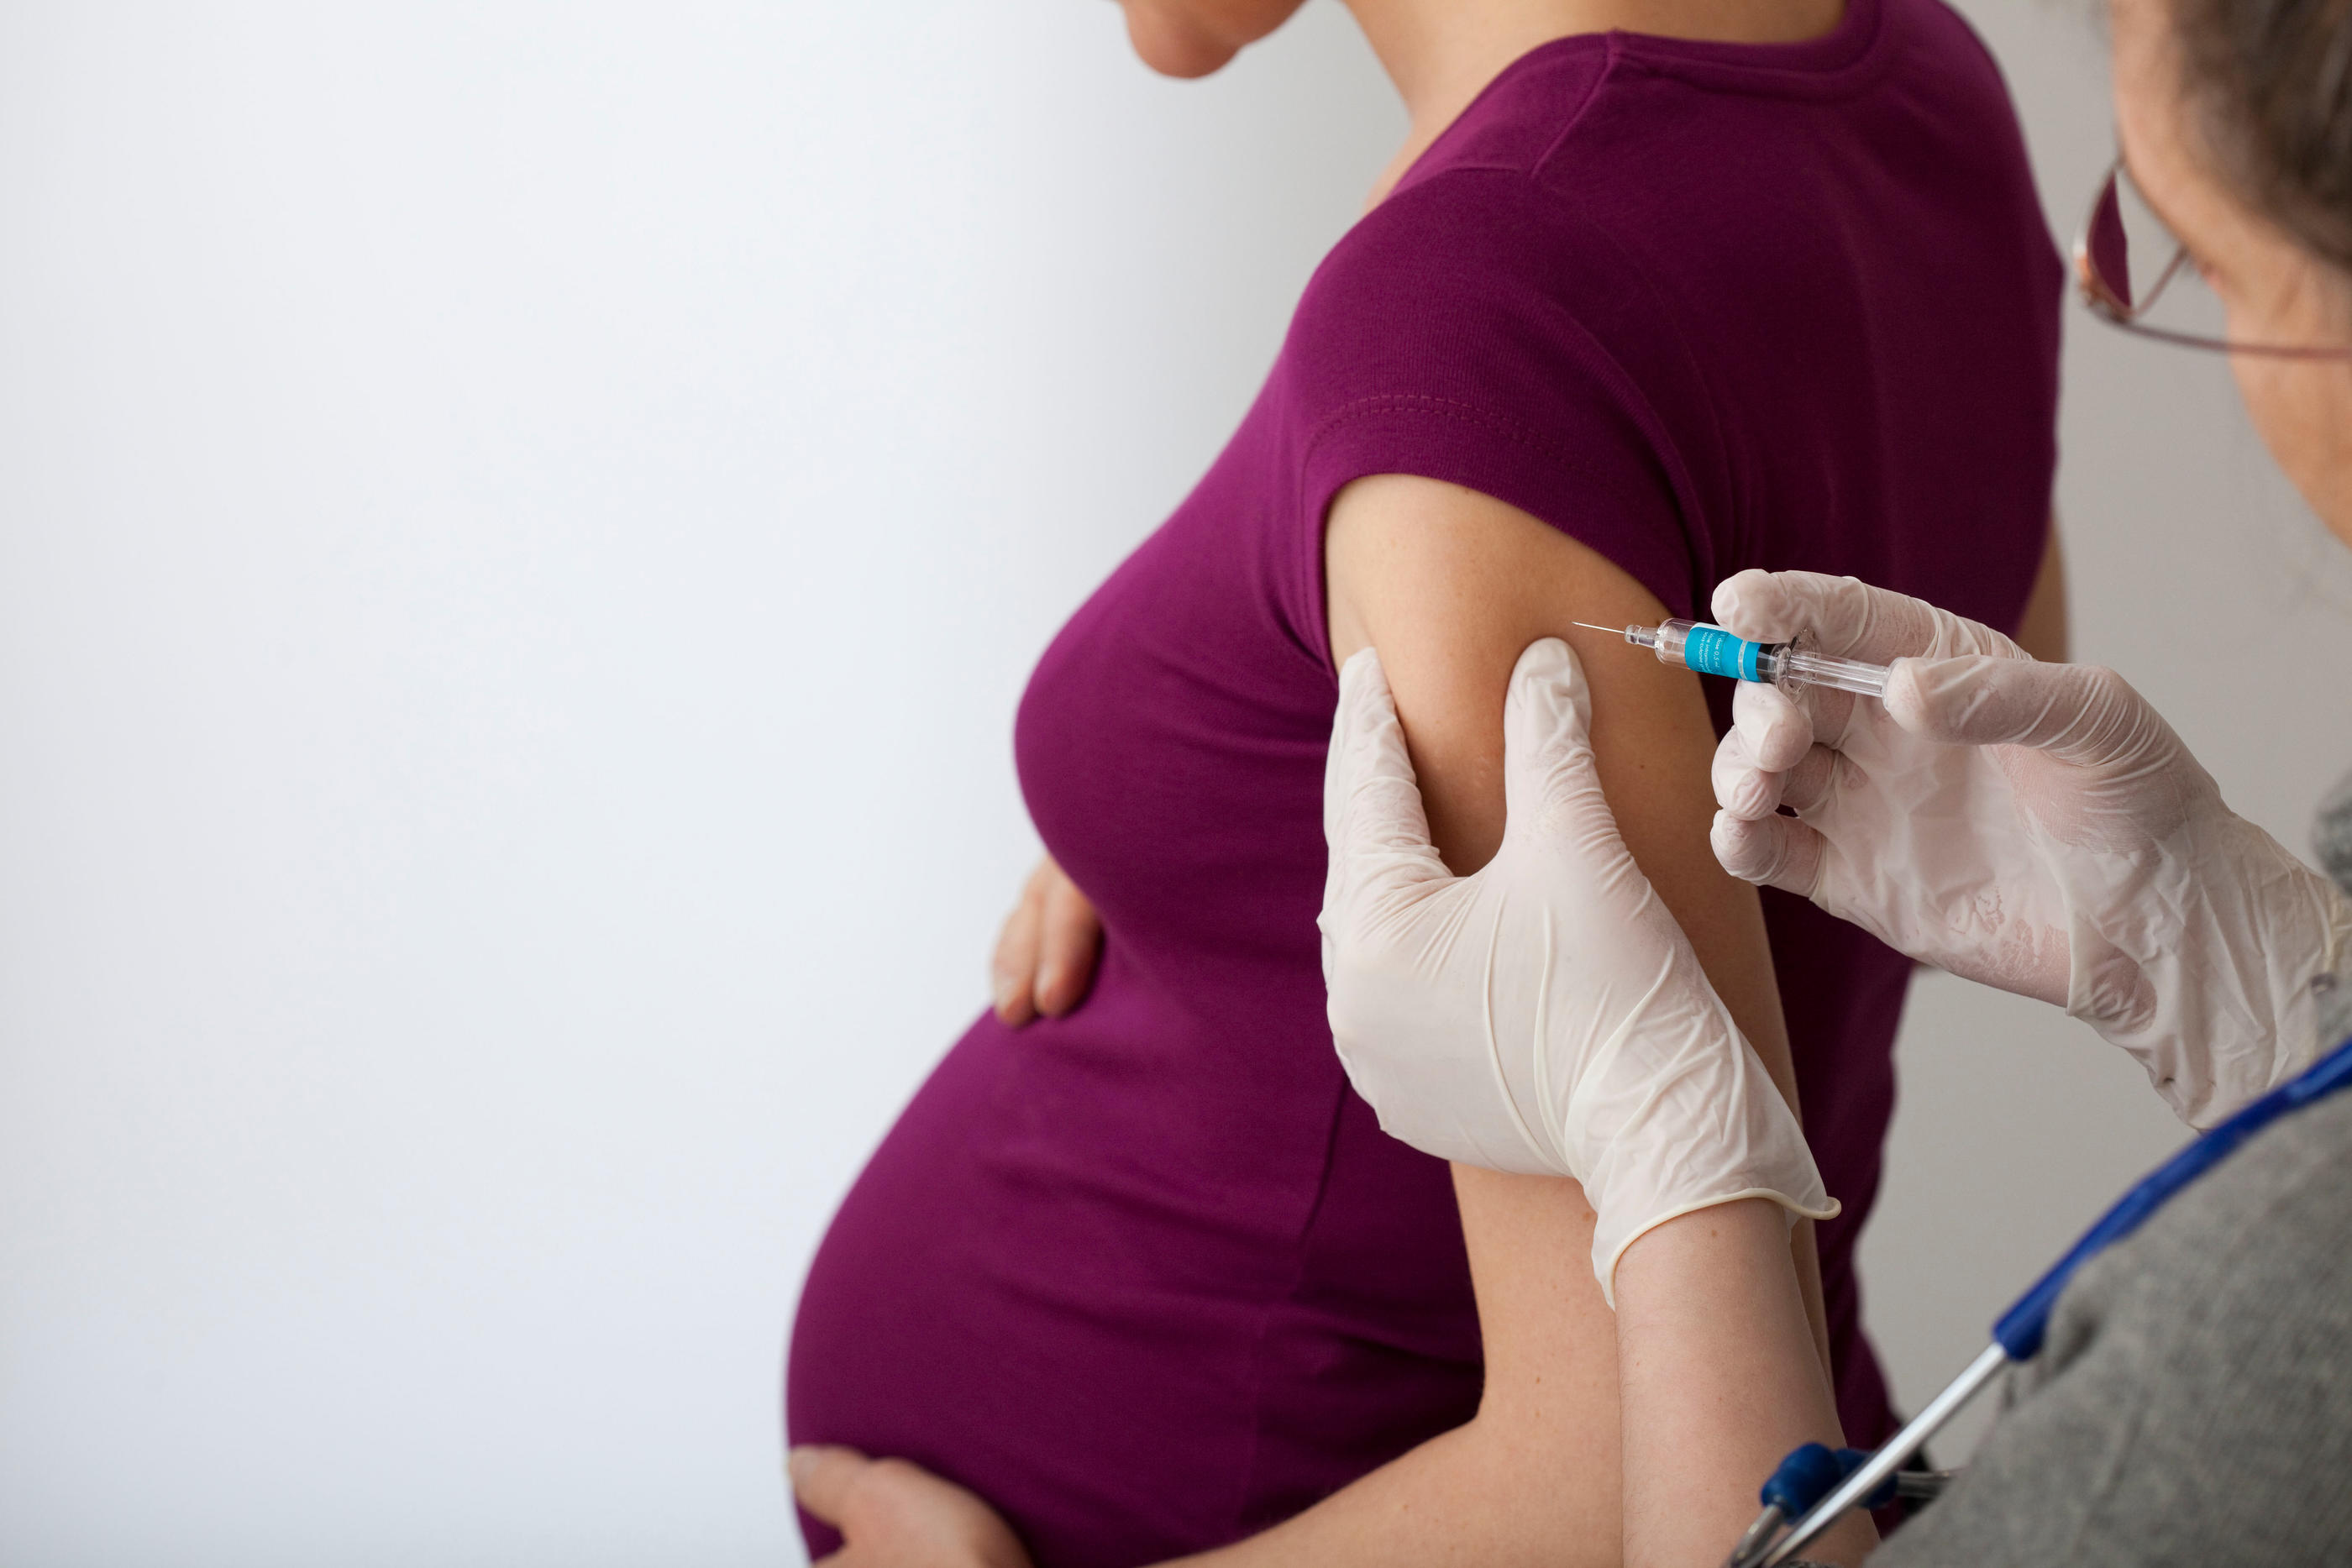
(1656, 291)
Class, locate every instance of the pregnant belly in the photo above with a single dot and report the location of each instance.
(1143, 1290)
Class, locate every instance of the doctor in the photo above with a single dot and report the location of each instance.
(2036, 827)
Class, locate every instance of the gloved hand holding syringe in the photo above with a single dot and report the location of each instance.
(1712, 651)
(2037, 827)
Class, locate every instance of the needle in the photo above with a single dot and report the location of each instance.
(1589, 626)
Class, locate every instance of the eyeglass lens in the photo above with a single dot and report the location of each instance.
(2131, 254)
(2109, 247)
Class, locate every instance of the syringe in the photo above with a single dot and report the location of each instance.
(1712, 651)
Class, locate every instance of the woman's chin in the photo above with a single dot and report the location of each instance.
(1174, 46)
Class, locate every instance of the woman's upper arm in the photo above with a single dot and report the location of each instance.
(1452, 585)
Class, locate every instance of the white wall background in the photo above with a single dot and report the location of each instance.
(522, 529)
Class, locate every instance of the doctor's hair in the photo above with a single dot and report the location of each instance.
(2273, 80)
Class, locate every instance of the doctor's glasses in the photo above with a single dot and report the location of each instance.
(2126, 260)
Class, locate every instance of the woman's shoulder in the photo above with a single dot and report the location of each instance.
(1472, 268)
(1476, 298)
(1469, 331)
(1473, 290)
(1462, 235)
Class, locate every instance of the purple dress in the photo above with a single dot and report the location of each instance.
(1149, 1278)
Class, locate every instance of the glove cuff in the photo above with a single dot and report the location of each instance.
(1715, 1132)
(1608, 1250)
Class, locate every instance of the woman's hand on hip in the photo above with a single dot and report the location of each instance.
(2036, 827)
(1544, 1014)
(1046, 954)
(894, 1514)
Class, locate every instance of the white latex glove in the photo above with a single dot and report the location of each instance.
(2036, 827)
(1546, 1014)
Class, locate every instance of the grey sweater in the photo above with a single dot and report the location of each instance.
(2193, 1404)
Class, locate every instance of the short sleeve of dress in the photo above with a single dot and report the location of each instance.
(1471, 329)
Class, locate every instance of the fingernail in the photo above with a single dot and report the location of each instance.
(795, 1462)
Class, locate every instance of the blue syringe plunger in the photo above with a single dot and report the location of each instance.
(1712, 651)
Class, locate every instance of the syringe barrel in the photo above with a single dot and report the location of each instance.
(1792, 666)
(1709, 649)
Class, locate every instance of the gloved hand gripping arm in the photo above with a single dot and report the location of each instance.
(2037, 827)
(1546, 1014)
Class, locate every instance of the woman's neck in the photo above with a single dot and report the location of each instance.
(1440, 54)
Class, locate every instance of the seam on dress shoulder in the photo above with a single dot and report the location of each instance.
(1612, 53)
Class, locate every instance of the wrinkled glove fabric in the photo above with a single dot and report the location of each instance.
(2036, 827)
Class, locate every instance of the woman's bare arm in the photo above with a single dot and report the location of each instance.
(1452, 585)
(1715, 1385)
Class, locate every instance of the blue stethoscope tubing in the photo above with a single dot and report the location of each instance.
(2018, 1335)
